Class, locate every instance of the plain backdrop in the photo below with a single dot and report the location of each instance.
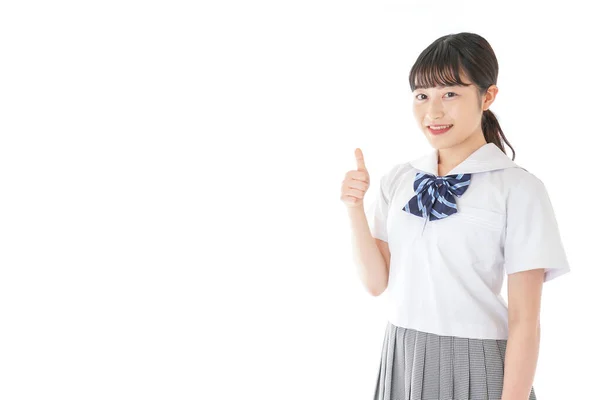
(170, 175)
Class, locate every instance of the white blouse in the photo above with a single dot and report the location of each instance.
(446, 275)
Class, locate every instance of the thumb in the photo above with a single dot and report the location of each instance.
(360, 160)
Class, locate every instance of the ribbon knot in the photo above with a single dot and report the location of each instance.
(434, 196)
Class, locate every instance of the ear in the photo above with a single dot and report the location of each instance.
(489, 97)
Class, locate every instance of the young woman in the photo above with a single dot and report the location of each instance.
(444, 229)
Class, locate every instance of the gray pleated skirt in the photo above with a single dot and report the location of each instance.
(419, 365)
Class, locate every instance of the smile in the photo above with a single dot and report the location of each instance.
(436, 131)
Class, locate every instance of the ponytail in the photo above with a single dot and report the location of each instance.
(493, 133)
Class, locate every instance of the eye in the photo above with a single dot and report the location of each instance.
(421, 94)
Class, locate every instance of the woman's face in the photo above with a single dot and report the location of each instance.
(459, 106)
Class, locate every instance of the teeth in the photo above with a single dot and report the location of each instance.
(440, 127)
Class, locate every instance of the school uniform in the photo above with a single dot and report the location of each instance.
(451, 240)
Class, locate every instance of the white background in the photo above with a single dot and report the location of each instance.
(170, 215)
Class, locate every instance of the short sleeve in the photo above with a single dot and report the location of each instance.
(532, 235)
(378, 211)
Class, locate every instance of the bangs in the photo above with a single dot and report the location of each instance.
(439, 67)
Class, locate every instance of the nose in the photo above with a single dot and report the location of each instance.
(435, 110)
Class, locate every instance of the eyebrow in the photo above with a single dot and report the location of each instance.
(443, 87)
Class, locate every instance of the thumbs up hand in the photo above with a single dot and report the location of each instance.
(356, 182)
(360, 160)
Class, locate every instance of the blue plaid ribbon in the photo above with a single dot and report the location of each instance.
(434, 196)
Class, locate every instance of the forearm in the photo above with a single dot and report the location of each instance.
(520, 363)
(371, 264)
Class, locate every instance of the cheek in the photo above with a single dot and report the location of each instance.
(460, 115)
(455, 112)
(419, 112)
(466, 113)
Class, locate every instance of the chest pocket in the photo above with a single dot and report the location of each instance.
(471, 236)
(481, 218)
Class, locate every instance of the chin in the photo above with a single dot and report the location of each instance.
(447, 139)
(443, 143)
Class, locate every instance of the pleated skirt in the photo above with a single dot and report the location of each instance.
(419, 365)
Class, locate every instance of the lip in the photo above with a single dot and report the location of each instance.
(439, 132)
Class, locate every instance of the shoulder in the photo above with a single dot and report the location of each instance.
(391, 177)
(397, 170)
(524, 186)
(519, 177)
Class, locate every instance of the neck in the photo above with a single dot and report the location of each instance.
(451, 157)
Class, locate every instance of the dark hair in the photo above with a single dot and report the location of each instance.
(440, 63)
